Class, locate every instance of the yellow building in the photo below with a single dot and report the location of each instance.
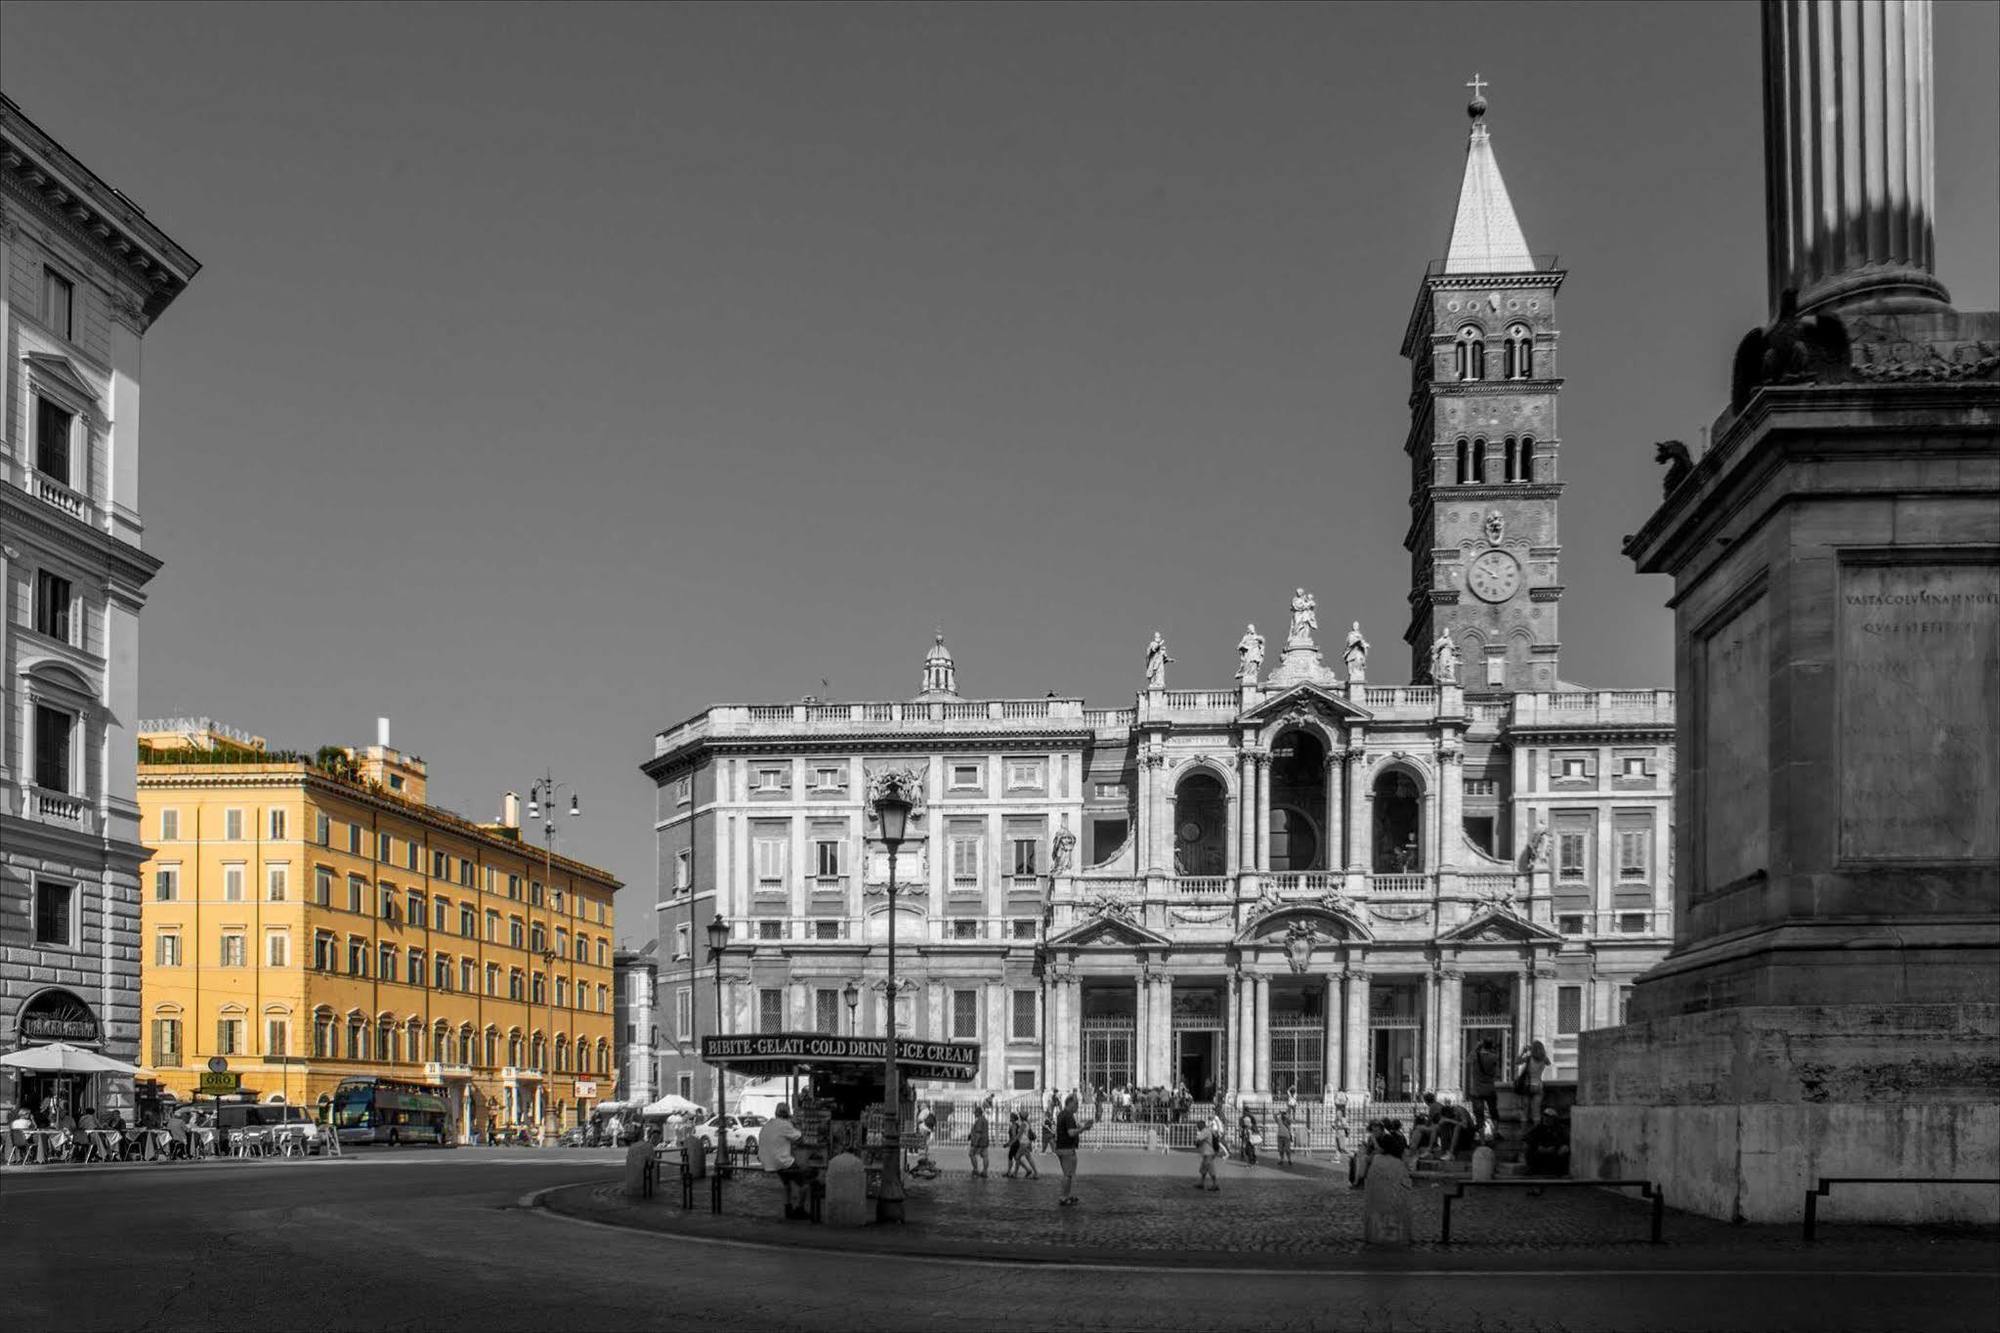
(312, 918)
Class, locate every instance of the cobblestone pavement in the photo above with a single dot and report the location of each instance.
(1143, 1209)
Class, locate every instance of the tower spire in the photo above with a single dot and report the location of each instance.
(940, 673)
(1485, 235)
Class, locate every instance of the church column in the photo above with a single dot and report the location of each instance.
(1451, 1019)
(1246, 1025)
(1246, 810)
(1359, 830)
(1355, 1049)
(1232, 807)
(1545, 1006)
(1330, 1042)
(1330, 846)
(1263, 810)
(1433, 1011)
(1060, 1037)
(1142, 1027)
(1164, 1073)
(1262, 1014)
(1160, 847)
(1451, 807)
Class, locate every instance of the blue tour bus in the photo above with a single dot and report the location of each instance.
(370, 1109)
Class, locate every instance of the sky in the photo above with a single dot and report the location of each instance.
(558, 370)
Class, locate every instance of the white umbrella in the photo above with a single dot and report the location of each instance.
(672, 1104)
(59, 1057)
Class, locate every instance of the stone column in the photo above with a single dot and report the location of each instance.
(1246, 1027)
(1848, 148)
(1142, 1027)
(1232, 806)
(1451, 1017)
(1263, 844)
(1427, 1055)
(1359, 830)
(1060, 1036)
(1262, 1016)
(1142, 821)
(1451, 808)
(1164, 1072)
(1545, 1006)
(1355, 1048)
(1330, 849)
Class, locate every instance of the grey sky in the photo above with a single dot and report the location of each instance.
(557, 370)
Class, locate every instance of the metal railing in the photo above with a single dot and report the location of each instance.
(1825, 1185)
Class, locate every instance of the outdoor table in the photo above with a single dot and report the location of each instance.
(104, 1142)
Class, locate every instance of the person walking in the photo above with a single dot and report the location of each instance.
(1485, 1075)
(1211, 1149)
(975, 1143)
(1251, 1133)
(1385, 1208)
(1027, 1150)
(1069, 1136)
(1283, 1128)
(1533, 1065)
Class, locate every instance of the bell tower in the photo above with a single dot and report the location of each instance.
(1483, 445)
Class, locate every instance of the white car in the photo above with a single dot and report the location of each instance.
(742, 1132)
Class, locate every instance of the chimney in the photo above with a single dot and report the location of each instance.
(382, 732)
(510, 809)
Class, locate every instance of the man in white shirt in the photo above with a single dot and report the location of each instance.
(775, 1138)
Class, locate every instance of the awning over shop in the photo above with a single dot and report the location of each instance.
(775, 1054)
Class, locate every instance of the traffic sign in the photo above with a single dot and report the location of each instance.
(215, 1085)
(217, 1065)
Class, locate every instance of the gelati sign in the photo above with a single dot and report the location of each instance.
(954, 1061)
(57, 1015)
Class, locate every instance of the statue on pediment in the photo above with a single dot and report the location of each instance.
(1156, 662)
(1305, 619)
(1250, 655)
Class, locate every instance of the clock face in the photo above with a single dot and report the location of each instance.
(1494, 576)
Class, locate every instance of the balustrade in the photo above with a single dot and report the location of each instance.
(58, 808)
(1402, 886)
(1203, 886)
(59, 495)
(1303, 883)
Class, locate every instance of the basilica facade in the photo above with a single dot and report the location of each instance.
(1307, 879)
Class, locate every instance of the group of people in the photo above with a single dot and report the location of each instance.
(53, 1134)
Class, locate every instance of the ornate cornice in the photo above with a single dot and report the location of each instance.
(123, 561)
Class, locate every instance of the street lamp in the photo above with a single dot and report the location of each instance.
(852, 994)
(892, 809)
(542, 796)
(718, 941)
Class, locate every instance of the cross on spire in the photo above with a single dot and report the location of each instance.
(1478, 85)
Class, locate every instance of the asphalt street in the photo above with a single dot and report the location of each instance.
(436, 1241)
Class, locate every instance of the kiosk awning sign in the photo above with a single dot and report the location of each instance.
(946, 1061)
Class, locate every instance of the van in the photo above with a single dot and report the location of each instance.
(240, 1115)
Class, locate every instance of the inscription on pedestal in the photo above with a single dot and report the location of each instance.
(1736, 745)
(1919, 711)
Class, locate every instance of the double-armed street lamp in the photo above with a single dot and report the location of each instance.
(718, 943)
(542, 796)
(892, 810)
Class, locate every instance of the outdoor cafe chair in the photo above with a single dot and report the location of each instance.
(20, 1146)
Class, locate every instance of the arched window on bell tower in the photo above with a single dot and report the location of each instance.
(1508, 464)
(1464, 460)
(1527, 458)
(1520, 353)
(1471, 354)
(1479, 460)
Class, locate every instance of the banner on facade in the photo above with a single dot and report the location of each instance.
(769, 1053)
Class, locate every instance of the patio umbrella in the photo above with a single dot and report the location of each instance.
(59, 1057)
(672, 1104)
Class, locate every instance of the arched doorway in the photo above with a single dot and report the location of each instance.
(1398, 824)
(1201, 826)
(1298, 802)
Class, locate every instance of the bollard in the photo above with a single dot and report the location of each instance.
(639, 1170)
(846, 1192)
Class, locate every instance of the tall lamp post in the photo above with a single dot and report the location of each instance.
(542, 806)
(892, 809)
(718, 943)
(852, 994)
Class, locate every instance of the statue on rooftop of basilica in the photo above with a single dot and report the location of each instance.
(1250, 652)
(1356, 655)
(1305, 619)
(1156, 662)
(1444, 661)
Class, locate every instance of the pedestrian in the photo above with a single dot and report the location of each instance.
(1283, 1130)
(777, 1141)
(1364, 1155)
(1069, 1135)
(1211, 1149)
(1485, 1075)
(1251, 1133)
(1385, 1209)
(1534, 1063)
(1049, 1122)
(1029, 1171)
(1547, 1145)
(1013, 1145)
(975, 1143)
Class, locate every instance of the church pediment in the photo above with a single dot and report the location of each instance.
(1109, 931)
(1307, 702)
(1495, 925)
(1331, 921)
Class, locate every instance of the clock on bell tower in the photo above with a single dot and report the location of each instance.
(1483, 445)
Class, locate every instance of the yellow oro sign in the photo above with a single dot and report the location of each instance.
(214, 1085)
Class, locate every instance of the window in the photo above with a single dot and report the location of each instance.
(826, 1010)
(465, 872)
(1631, 923)
(514, 931)
(770, 779)
(600, 953)
(386, 962)
(514, 887)
(684, 1014)
(1024, 775)
(770, 930)
(683, 790)
(1023, 1079)
(55, 912)
(965, 928)
(826, 930)
(385, 901)
(1471, 354)
(412, 855)
(166, 883)
(683, 869)
(277, 949)
(1024, 927)
(468, 922)
(1569, 1010)
(515, 983)
(493, 979)
(413, 907)
(1024, 859)
(53, 599)
(354, 839)
(1574, 767)
(1024, 1026)
(384, 846)
(770, 1010)
(232, 882)
(277, 883)
(1624, 1004)
(1572, 856)
(442, 972)
(277, 823)
(323, 886)
(59, 304)
(440, 913)
(325, 951)
(829, 779)
(170, 825)
(1528, 458)
(492, 926)
(965, 777)
(232, 825)
(1482, 787)
(357, 956)
(538, 937)
(53, 425)
(770, 859)
(681, 934)
(1496, 668)
(826, 863)
(1632, 848)
(468, 975)
(1478, 461)
(1570, 923)
(229, 1036)
(415, 962)
(538, 988)
(965, 863)
(1108, 791)
(167, 949)
(562, 992)
(965, 1015)
(1633, 766)
(357, 890)
(53, 731)
(1520, 353)
(232, 949)
(167, 1042)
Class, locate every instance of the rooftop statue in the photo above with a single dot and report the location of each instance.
(1356, 655)
(1305, 619)
(1156, 662)
(1250, 654)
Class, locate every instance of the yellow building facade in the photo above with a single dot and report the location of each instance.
(311, 919)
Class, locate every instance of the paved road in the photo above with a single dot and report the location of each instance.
(432, 1241)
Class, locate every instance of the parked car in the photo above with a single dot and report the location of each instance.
(742, 1132)
(236, 1116)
